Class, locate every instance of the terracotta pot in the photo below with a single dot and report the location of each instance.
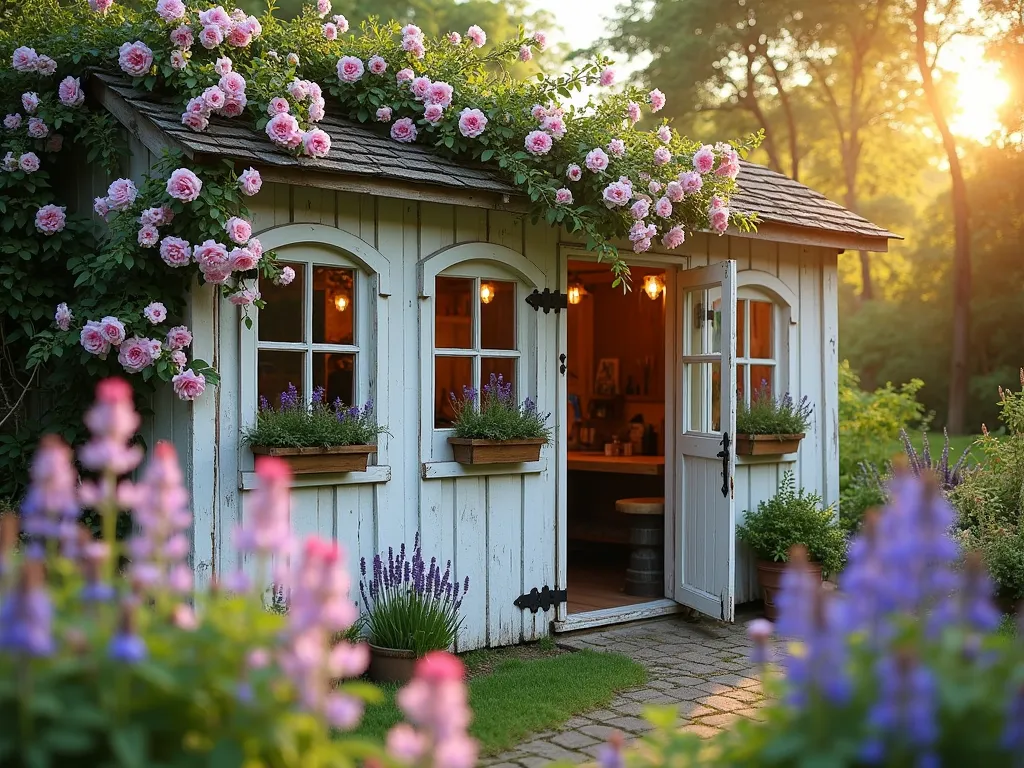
(391, 665)
(769, 575)
(472, 451)
(767, 445)
(337, 458)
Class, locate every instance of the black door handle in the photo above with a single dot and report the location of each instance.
(724, 456)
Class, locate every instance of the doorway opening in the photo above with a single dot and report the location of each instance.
(616, 384)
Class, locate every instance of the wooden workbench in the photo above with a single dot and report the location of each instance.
(585, 461)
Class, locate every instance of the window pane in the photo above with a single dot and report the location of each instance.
(453, 315)
(497, 314)
(498, 366)
(760, 330)
(741, 383)
(762, 378)
(705, 383)
(334, 305)
(276, 370)
(705, 321)
(281, 319)
(741, 328)
(336, 373)
(451, 374)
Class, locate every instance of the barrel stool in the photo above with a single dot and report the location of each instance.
(645, 576)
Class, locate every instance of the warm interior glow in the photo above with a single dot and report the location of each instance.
(341, 302)
(576, 292)
(654, 285)
(486, 292)
(980, 92)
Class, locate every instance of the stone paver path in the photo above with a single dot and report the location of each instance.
(701, 667)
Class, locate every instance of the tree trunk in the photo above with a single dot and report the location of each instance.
(867, 289)
(958, 379)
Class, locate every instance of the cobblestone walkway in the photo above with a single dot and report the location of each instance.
(702, 667)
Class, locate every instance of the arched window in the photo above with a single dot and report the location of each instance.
(763, 318)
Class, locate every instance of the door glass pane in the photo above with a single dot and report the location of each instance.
(451, 374)
(705, 384)
(704, 320)
(741, 383)
(762, 379)
(336, 373)
(282, 318)
(453, 314)
(760, 330)
(276, 371)
(505, 367)
(741, 328)
(334, 305)
(497, 314)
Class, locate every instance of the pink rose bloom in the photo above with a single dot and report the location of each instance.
(554, 125)
(170, 10)
(656, 99)
(178, 337)
(30, 102)
(285, 277)
(155, 312)
(420, 86)
(730, 167)
(216, 17)
(720, 219)
(377, 65)
(135, 59)
(250, 182)
(255, 247)
(596, 160)
(112, 330)
(405, 744)
(175, 252)
(25, 59)
(616, 194)
(538, 112)
(674, 237)
(240, 35)
(661, 156)
(298, 89)
(211, 37)
(640, 209)
(9, 162)
(121, 194)
(46, 66)
(184, 185)
(691, 182)
(92, 340)
(182, 37)
(329, 31)
(232, 84)
(404, 75)
(323, 7)
(472, 122)
(178, 360)
(158, 216)
(242, 260)
(222, 65)
(196, 121)
(403, 130)
(70, 92)
(316, 143)
(665, 134)
(50, 219)
(341, 23)
(704, 159)
(12, 122)
(210, 254)
(63, 316)
(283, 130)
(29, 162)
(642, 245)
(350, 69)
(477, 36)
(663, 208)
(525, 54)
(414, 45)
(316, 111)
(654, 187)
(411, 30)
(538, 143)
(638, 231)
(674, 191)
(238, 229)
(244, 298)
(188, 385)
(148, 236)
(178, 60)
(439, 93)
(633, 112)
(214, 98)
(433, 113)
(278, 106)
(541, 39)
(563, 196)
(454, 38)
(101, 207)
(234, 106)
(384, 115)
(293, 59)
(574, 172)
(617, 147)
(607, 77)
(135, 354)
(101, 6)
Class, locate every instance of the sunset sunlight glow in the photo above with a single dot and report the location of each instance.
(980, 92)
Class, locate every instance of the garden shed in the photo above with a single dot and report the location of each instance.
(417, 275)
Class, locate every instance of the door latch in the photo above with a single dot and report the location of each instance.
(724, 456)
(561, 368)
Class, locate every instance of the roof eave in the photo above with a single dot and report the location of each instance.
(825, 238)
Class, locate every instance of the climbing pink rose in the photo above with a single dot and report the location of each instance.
(182, 37)
(350, 69)
(553, 125)
(323, 7)
(9, 163)
(170, 10)
(538, 112)
(70, 92)
(414, 45)
(596, 160)
(674, 191)
(210, 254)
(30, 102)
(329, 31)
(232, 84)
(616, 194)
(175, 252)
(690, 181)
(242, 260)
(188, 385)
(197, 121)
(640, 209)
(541, 39)
(563, 196)
(63, 316)
(656, 99)
(50, 219)
(278, 106)
(286, 276)
(574, 172)
(211, 37)
(101, 6)
(29, 162)
(525, 54)
(404, 75)
(223, 65)
(155, 312)
(341, 22)
(234, 106)
(238, 229)
(377, 65)
(184, 185)
(298, 89)
(730, 167)
(178, 337)
(316, 143)
(135, 354)
(92, 340)
(216, 17)
(135, 59)
(411, 30)
(255, 246)
(157, 216)
(25, 59)
(472, 122)
(433, 113)
(101, 206)
(384, 115)
(178, 360)
(178, 60)
(244, 298)
(654, 187)
(719, 219)
(704, 159)
(214, 98)
(661, 156)
(46, 66)
(250, 182)
(439, 93)
(607, 77)
(121, 194)
(283, 130)
(240, 35)
(316, 111)
(538, 143)
(477, 36)
(642, 245)
(403, 130)
(454, 38)
(12, 122)
(674, 237)
(148, 236)
(617, 147)
(665, 134)
(420, 86)
(638, 231)
(112, 330)
(663, 208)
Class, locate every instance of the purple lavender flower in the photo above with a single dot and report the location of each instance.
(318, 395)
(290, 397)
(50, 509)
(264, 403)
(128, 648)
(26, 615)
(470, 394)
(907, 702)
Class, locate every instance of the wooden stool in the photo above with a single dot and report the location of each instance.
(645, 576)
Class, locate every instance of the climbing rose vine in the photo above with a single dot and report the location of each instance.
(591, 169)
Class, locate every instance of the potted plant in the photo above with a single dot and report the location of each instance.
(791, 518)
(316, 437)
(770, 426)
(496, 429)
(411, 610)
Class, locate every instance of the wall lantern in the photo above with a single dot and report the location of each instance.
(576, 292)
(341, 302)
(654, 285)
(486, 293)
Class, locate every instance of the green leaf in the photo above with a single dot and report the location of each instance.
(129, 745)
(486, 155)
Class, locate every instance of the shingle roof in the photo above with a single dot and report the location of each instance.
(360, 150)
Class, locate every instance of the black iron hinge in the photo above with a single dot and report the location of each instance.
(548, 300)
(540, 599)
(724, 456)
(561, 367)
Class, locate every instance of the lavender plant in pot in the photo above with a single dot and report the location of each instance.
(768, 425)
(411, 610)
(491, 427)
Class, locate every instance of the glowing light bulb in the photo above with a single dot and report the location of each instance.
(486, 292)
(575, 295)
(341, 302)
(653, 286)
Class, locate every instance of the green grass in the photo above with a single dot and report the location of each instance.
(514, 697)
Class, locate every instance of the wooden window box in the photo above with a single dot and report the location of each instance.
(767, 445)
(337, 458)
(473, 451)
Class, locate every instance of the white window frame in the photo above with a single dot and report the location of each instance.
(755, 285)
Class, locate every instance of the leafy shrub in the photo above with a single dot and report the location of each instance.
(766, 415)
(408, 606)
(794, 517)
(866, 491)
(497, 416)
(294, 424)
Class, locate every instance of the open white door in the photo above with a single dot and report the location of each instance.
(706, 375)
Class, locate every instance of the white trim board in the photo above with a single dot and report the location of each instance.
(619, 615)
